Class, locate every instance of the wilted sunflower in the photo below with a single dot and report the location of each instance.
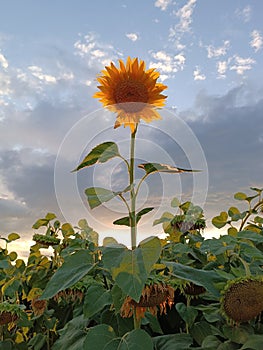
(242, 299)
(9, 313)
(154, 297)
(38, 306)
(131, 91)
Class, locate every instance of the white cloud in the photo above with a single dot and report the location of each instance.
(244, 14)
(185, 15)
(242, 64)
(88, 82)
(198, 75)
(162, 4)
(257, 40)
(221, 69)
(132, 36)
(218, 51)
(67, 76)
(167, 64)
(98, 53)
(86, 45)
(3, 61)
(38, 73)
(5, 85)
(94, 52)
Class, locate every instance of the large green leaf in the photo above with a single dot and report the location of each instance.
(95, 300)
(187, 313)
(211, 342)
(173, 342)
(206, 278)
(98, 195)
(136, 340)
(254, 342)
(251, 235)
(120, 325)
(37, 342)
(239, 334)
(73, 269)
(130, 268)
(72, 336)
(150, 168)
(200, 330)
(126, 220)
(99, 154)
(98, 337)
(6, 345)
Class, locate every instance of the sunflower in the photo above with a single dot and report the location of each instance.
(242, 299)
(9, 313)
(131, 91)
(38, 306)
(154, 297)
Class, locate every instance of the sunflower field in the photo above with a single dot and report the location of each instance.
(181, 292)
(177, 293)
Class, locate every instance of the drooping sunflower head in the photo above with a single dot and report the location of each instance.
(154, 297)
(38, 306)
(242, 299)
(131, 91)
(9, 313)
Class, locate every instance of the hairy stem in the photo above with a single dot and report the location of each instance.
(133, 222)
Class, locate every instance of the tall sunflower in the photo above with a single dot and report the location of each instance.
(131, 91)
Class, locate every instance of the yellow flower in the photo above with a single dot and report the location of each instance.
(131, 91)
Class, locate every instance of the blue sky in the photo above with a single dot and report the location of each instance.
(209, 54)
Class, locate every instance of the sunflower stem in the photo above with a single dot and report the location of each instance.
(136, 322)
(133, 222)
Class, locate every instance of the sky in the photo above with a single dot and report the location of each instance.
(208, 53)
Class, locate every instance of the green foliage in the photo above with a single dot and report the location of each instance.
(100, 154)
(151, 168)
(84, 286)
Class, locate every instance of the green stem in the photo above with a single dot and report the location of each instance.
(136, 323)
(132, 192)
(248, 215)
(139, 184)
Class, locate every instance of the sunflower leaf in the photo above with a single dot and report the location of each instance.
(98, 195)
(150, 168)
(126, 219)
(99, 154)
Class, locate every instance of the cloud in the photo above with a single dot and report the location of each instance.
(241, 65)
(95, 53)
(132, 36)
(197, 74)
(218, 51)
(167, 64)
(3, 61)
(162, 4)
(38, 73)
(244, 14)
(257, 40)
(221, 69)
(185, 16)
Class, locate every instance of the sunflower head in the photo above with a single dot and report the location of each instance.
(242, 299)
(154, 297)
(131, 91)
(38, 306)
(46, 241)
(9, 313)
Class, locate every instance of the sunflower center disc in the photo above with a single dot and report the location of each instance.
(131, 91)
